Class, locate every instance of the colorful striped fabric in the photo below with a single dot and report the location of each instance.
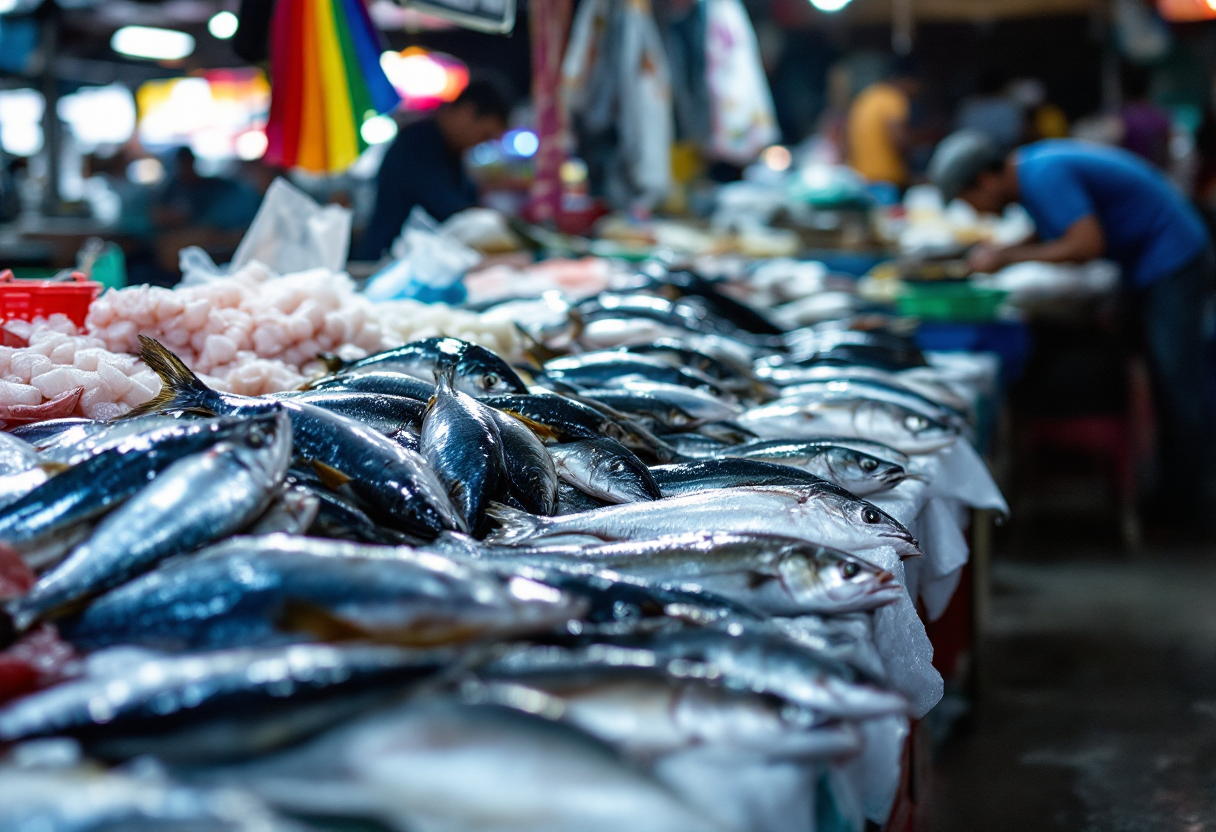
(325, 80)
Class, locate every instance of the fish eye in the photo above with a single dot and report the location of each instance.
(914, 423)
(870, 515)
(869, 464)
(257, 439)
(849, 570)
(490, 380)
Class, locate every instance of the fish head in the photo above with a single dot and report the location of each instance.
(480, 372)
(864, 522)
(824, 580)
(621, 474)
(264, 445)
(861, 472)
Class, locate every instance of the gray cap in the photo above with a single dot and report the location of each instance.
(959, 159)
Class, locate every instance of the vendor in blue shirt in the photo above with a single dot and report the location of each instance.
(1089, 201)
(425, 165)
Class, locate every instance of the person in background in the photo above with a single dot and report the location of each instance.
(187, 199)
(993, 112)
(424, 165)
(1089, 201)
(1146, 125)
(876, 133)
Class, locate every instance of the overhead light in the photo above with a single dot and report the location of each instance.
(251, 145)
(777, 157)
(151, 43)
(829, 5)
(21, 121)
(378, 130)
(146, 171)
(523, 143)
(223, 25)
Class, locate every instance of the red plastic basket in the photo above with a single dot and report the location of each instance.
(25, 300)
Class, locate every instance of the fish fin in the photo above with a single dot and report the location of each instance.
(445, 377)
(53, 468)
(756, 580)
(306, 617)
(333, 362)
(330, 477)
(542, 431)
(578, 324)
(180, 388)
(513, 524)
(534, 348)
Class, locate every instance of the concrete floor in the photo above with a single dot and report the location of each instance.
(1098, 710)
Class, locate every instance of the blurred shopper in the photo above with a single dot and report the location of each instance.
(1089, 201)
(425, 164)
(877, 133)
(993, 111)
(1146, 124)
(187, 199)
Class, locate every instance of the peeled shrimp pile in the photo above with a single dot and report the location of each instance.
(259, 334)
(63, 373)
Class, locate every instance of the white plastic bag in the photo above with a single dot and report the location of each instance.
(292, 232)
(428, 266)
(743, 120)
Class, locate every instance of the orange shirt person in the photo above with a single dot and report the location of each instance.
(877, 130)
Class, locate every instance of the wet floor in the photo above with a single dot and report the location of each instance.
(1098, 710)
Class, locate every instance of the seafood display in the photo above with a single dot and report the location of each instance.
(644, 561)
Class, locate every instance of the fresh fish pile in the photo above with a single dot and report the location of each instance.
(633, 586)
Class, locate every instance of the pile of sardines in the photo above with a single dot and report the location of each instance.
(620, 588)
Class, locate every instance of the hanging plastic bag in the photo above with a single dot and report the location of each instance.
(645, 125)
(429, 265)
(292, 232)
(743, 120)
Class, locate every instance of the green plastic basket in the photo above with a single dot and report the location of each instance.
(949, 301)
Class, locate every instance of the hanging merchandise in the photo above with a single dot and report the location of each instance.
(617, 91)
(1142, 37)
(684, 23)
(549, 24)
(743, 119)
(326, 81)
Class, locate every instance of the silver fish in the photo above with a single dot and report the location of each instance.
(279, 588)
(217, 705)
(86, 798)
(16, 455)
(605, 469)
(531, 474)
(292, 511)
(193, 502)
(843, 462)
(646, 713)
(441, 766)
(822, 514)
(461, 441)
(777, 575)
(806, 418)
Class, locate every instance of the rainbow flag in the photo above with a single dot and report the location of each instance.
(325, 80)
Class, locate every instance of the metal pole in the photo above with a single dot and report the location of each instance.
(52, 135)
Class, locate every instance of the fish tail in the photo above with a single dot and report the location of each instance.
(514, 525)
(445, 376)
(180, 388)
(332, 362)
(647, 441)
(534, 348)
